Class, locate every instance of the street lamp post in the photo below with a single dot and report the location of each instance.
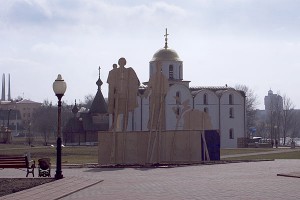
(59, 88)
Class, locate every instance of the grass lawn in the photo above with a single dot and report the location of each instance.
(284, 155)
(89, 154)
(244, 150)
(70, 155)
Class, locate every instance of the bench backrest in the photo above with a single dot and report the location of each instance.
(14, 162)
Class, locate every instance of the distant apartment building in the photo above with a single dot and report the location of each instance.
(17, 114)
(27, 108)
(273, 102)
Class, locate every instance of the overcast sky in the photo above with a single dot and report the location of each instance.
(250, 42)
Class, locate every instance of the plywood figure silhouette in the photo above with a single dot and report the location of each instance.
(196, 120)
(123, 87)
(180, 109)
(158, 87)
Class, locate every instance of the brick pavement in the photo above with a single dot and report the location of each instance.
(253, 180)
(53, 190)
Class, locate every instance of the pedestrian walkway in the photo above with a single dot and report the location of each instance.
(53, 190)
(248, 180)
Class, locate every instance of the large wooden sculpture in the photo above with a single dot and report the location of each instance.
(122, 96)
(158, 87)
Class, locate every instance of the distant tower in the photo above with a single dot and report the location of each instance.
(9, 97)
(273, 102)
(3, 88)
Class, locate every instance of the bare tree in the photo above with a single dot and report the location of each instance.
(295, 125)
(287, 116)
(44, 120)
(262, 129)
(251, 104)
(88, 100)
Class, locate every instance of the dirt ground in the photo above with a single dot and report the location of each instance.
(12, 185)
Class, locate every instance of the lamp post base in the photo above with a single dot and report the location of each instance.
(58, 174)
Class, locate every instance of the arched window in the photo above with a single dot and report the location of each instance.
(205, 99)
(178, 111)
(180, 72)
(205, 110)
(231, 133)
(178, 98)
(171, 72)
(231, 113)
(230, 99)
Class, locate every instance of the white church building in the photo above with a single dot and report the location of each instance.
(182, 107)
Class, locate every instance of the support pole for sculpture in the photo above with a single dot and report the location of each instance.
(157, 131)
(113, 150)
(205, 146)
(150, 134)
(125, 122)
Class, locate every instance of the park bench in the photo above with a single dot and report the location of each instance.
(18, 162)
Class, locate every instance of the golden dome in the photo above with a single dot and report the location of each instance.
(165, 54)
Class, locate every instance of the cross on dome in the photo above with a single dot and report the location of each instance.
(166, 39)
(99, 82)
(99, 71)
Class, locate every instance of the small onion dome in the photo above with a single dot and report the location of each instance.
(99, 83)
(75, 109)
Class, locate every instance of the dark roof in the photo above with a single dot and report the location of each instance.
(26, 101)
(216, 89)
(83, 123)
(88, 125)
(213, 88)
(99, 105)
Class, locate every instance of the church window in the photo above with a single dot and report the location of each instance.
(205, 99)
(171, 72)
(231, 113)
(206, 110)
(178, 111)
(180, 71)
(231, 99)
(178, 98)
(231, 133)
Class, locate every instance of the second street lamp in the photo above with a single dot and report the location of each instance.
(59, 88)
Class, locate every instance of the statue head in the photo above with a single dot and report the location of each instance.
(122, 62)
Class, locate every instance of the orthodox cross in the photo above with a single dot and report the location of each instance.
(99, 82)
(166, 39)
(99, 71)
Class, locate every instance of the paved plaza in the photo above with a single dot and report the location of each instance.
(247, 180)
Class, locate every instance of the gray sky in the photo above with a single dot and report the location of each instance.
(250, 42)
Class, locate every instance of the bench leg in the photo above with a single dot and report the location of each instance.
(31, 171)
